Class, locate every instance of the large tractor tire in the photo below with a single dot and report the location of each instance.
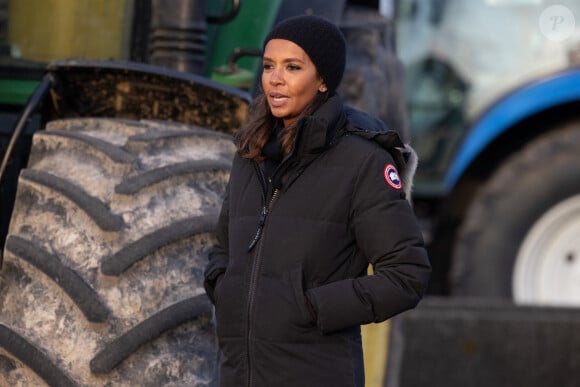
(101, 282)
(520, 236)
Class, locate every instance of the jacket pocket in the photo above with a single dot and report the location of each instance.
(218, 282)
(230, 304)
(297, 283)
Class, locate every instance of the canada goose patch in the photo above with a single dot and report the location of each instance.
(392, 176)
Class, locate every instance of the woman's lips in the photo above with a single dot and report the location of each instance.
(277, 100)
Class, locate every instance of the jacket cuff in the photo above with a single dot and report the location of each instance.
(209, 284)
(311, 308)
(338, 306)
(213, 271)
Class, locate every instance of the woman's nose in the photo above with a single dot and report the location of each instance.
(276, 77)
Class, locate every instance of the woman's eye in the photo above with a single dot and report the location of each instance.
(266, 66)
(293, 67)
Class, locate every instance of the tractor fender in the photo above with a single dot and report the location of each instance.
(131, 90)
(551, 91)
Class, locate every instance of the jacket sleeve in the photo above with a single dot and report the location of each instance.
(388, 235)
(219, 254)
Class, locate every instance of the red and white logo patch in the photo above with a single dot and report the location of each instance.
(392, 177)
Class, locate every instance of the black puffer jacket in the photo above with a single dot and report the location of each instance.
(337, 207)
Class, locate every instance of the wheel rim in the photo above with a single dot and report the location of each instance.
(547, 268)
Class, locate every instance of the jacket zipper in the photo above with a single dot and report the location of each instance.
(266, 208)
(262, 220)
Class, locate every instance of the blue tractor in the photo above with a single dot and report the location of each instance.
(493, 91)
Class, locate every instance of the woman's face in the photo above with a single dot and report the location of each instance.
(289, 79)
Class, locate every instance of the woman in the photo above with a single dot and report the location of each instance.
(309, 205)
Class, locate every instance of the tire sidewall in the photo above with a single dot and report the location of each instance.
(484, 261)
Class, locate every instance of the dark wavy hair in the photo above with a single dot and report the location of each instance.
(255, 132)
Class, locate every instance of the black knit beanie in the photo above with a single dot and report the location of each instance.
(320, 39)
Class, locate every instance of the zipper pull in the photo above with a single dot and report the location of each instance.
(261, 222)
